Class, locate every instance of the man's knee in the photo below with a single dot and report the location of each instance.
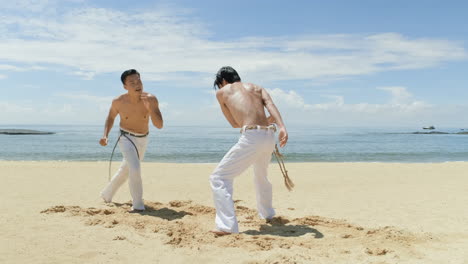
(216, 181)
(213, 178)
(134, 168)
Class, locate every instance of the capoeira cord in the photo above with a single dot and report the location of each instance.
(279, 157)
(122, 133)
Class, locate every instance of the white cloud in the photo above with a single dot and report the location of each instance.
(400, 94)
(400, 100)
(401, 109)
(61, 109)
(8, 108)
(78, 109)
(36, 6)
(86, 97)
(337, 102)
(163, 105)
(9, 67)
(49, 112)
(28, 5)
(165, 46)
(334, 111)
(100, 103)
(85, 75)
(289, 99)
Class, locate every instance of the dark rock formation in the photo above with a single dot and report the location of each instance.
(24, 132)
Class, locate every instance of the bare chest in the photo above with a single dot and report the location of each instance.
(133, 112)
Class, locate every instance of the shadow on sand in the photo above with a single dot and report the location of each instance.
(164, 213)
(278, 227)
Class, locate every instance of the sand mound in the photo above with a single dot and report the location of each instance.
(179, 224)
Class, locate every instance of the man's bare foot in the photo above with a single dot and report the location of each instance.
(106, 201)
(133, 210)
(218, 233)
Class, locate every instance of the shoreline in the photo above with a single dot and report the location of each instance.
(215, 163)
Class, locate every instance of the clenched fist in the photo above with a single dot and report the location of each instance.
(103, 141)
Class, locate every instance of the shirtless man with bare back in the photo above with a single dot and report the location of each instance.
(135, 108)
(243, 105)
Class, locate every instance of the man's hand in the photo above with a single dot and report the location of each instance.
(283, 137)
(271, 119)
(103, 141)
(146, 102)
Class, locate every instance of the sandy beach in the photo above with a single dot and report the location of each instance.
(338, 213)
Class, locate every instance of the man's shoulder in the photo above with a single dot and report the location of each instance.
(149, 95)
(253, 87)
(119, 98)
(219, 92)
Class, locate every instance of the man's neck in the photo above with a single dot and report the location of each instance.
(134, 98)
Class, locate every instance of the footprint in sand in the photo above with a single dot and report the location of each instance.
(180, 224)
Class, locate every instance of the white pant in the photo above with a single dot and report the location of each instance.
(253, 148)
(130, 169)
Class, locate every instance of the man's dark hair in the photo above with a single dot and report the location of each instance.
(126, 73)
(227, 73)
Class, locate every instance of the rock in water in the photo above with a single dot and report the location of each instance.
(24, 132)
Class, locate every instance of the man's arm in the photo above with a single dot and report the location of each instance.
(226, 111)
(275, 114)
(109, 122)
(155, 113)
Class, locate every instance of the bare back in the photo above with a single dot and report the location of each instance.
(245, 102)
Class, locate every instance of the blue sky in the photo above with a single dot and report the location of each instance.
(326, 63)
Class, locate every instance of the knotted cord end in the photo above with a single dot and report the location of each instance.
(287, 181)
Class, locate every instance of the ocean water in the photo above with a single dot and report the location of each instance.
(209, 144)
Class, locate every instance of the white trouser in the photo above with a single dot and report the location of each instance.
(253, 148)
(130, 169)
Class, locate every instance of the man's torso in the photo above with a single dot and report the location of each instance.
(134, 116)
(244, 101)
